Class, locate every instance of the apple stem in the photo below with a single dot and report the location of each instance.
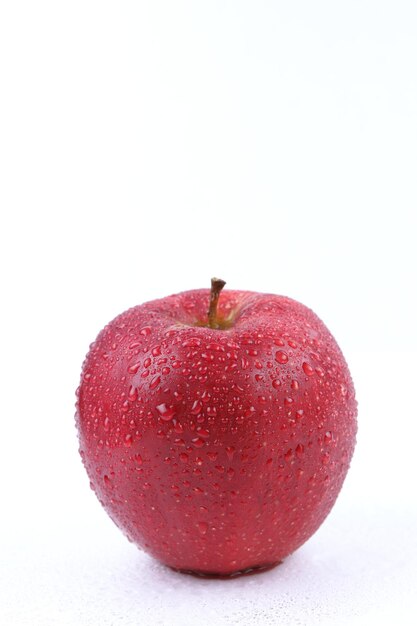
(217, 285)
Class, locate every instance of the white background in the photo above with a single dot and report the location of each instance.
(144, 147)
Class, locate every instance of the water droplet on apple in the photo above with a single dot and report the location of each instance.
(184, 457)
(281, 357)
(198, 442)
(154, 382)
(133, 394)
(128, 440)
(299, 450)
(197, 407)
(328, 437)
(166, 412)
(205, 396)
(244, 363)
(307, 369)
(276, 383)
(133, 369)
(192, 342)
(288, 455)
(134, 344)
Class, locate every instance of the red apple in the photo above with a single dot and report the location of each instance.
(218, 442)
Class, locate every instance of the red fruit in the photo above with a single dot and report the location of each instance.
(217, 442)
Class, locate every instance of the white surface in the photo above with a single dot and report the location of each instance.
(144, 147)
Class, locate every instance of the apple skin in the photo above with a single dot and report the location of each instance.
(217, 450)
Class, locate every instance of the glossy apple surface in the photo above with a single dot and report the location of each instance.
(217, 449)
